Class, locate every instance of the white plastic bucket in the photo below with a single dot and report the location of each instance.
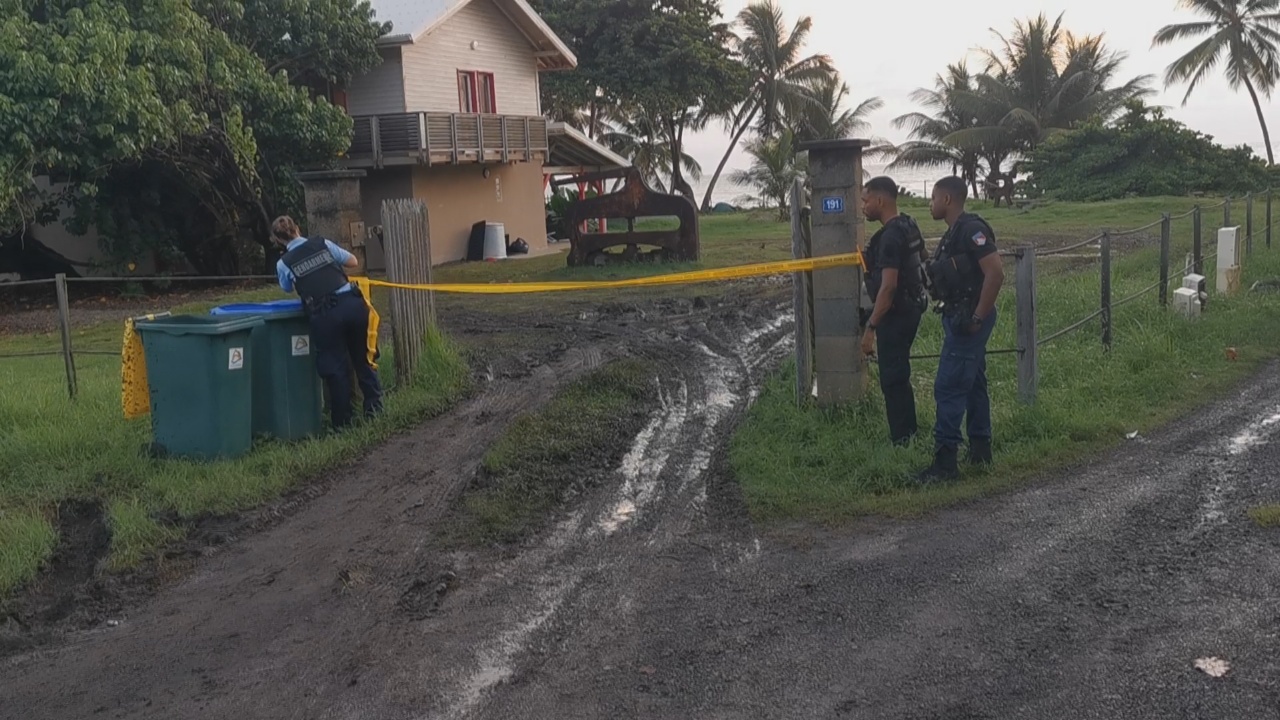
(495, 241)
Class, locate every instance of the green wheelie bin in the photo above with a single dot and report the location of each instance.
(288, 402)
(199, 371)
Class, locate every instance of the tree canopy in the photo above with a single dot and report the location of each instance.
(174, 125)
(1141, 153)
(668, 59)
(1040, 80)
(1240, 36)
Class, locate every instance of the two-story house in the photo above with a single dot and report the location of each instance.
(453, 116)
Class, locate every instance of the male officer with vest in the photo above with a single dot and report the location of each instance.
(316, 268)
(966, 278)
(893, 272)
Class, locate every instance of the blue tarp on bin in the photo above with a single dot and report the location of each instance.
(263, 308)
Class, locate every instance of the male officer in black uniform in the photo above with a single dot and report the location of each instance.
(966, 275)
(893, 270)
(316, 268)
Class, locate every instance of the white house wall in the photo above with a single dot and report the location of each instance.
(431, 64)
(381, 90)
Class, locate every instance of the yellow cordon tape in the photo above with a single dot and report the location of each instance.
(371, 339)
(697, 276)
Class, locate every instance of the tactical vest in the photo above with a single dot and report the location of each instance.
(956, 277)
(912, 278)
(316, 272)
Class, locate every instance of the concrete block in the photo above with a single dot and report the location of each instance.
(833, 353)
(1193, 282)
(837, 283)
(835, 389)
(835, 317)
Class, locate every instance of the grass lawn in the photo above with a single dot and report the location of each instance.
(834, 465)
(792, 463)
(53, 450)
(1267, 517)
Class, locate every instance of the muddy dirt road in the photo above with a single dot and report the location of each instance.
(1087, 595)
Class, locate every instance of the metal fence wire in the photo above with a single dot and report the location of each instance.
(66, 350)
(1194, 264)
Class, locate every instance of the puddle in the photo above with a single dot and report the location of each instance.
(1253, 435)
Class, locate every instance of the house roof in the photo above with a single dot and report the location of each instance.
(411, 20)
(572, 153)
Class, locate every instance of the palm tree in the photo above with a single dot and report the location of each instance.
(774, 169)
(1042, 80)
(781, 78)
(930, 129)
(640, 138)
(1242, 34)
(826, 118)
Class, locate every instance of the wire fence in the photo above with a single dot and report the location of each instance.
(65, 345)
(1195, 262)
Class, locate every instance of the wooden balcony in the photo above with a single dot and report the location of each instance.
(430, 138)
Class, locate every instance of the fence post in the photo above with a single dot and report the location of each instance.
(1106, 291)
(408, 249)
(1268, 218)
(1197, 253)
(1248, 224)
(1028, 336)
(800, 298)
(64, 324)
(1166, 232)
(1226, 212)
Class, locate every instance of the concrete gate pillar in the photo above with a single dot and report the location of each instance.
(334, 207)
(835, 172)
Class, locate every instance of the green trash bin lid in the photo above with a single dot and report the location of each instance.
(200, 325)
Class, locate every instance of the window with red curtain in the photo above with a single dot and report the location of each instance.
(476, 92)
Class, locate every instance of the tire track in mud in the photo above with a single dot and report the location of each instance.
(660, 495)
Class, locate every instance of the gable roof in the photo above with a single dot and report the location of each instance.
(411, 20)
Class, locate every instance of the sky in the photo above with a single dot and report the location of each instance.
(890, 49)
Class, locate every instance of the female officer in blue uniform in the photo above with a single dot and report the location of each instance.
(316, 269)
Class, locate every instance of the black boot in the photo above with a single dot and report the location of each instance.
(980, 451)
(943, 469)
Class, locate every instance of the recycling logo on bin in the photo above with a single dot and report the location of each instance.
(301, 345)
(236, 359)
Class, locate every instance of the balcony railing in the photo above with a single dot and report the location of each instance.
(431, 138)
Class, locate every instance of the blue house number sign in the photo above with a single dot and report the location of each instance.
(832, 205)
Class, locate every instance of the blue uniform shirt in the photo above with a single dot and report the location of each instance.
(285, 275)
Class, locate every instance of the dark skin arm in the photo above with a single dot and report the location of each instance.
(992, 281)
(883, 303)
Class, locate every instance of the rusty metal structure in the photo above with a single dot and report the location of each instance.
(633, 200)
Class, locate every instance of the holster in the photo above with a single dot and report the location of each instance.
(321, 305)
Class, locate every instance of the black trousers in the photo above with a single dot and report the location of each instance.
(895, 335)
(340, 334)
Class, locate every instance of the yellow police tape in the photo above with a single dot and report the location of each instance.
(685, 278)
(135, 394)
(371, 339)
